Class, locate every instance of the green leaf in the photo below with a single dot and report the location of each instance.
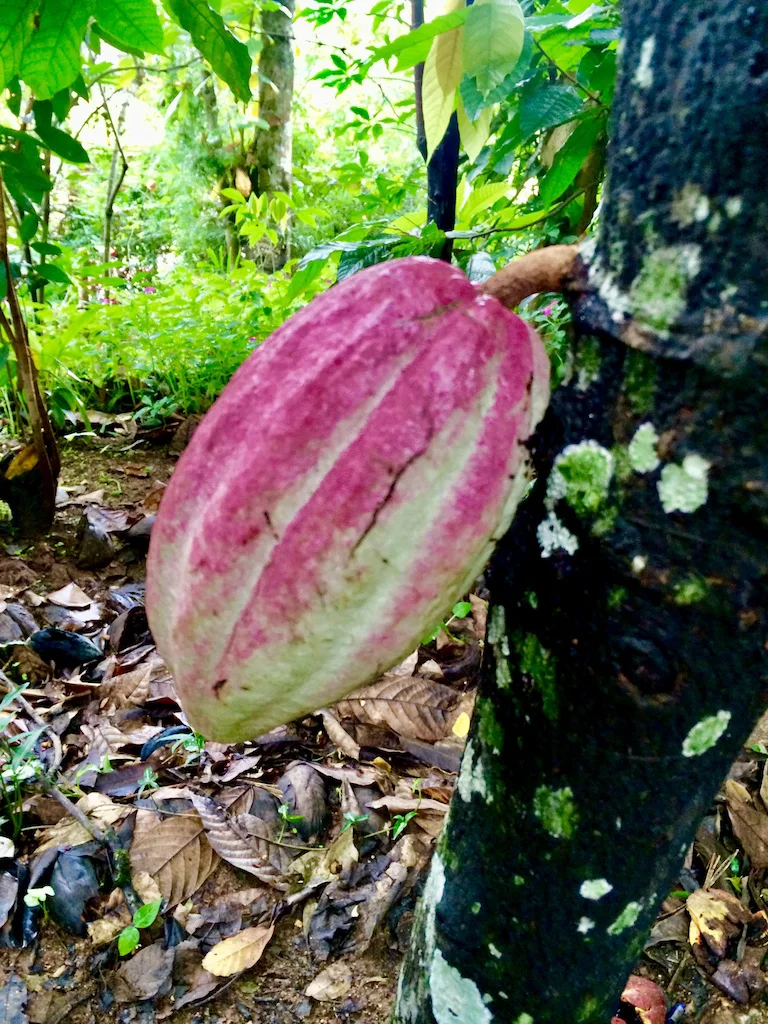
(97, 30)
(462, 609)
(228, 57)
(145, 916)
(493, 41)
(569, 160)
(52, 57)
(474, 101)
(233, 194)
(128, 940)
(3, 282)
(50, 272)
(63, 145)
(17, 19)
(482, 198)
(29, 225)
(413, 47)
(546, 106)
(131, 23)
(46, 249)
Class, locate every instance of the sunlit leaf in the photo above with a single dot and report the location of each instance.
(474, 135)
(546, 106)
(52, 60)
(493, 41)
(134, 23)
(16, 24)
(569, 160)
(228, 57)
(442, 74)
(239, 952)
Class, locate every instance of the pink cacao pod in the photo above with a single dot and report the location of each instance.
(348, 486)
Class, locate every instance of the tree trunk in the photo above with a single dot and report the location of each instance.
(273, 170)
(626, 654)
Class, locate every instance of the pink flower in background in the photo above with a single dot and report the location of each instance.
(253, 339)
(547, 311)
(149, 290)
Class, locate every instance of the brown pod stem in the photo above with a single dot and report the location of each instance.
(543, 270)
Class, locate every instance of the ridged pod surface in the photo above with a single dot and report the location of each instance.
(346, 488)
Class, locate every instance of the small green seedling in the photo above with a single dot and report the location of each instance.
(148, 780)
(350, 820)
(287, 819)
(37, 897)
(194, 745)
(459, 611)
(129, 937)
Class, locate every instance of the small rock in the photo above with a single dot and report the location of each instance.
(22, 618)
(9, 630)
(140, 532)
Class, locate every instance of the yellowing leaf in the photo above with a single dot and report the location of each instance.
(442, 74)
(473, 135)
(493, 41)
(461, 725)
(238, 953)
(481, 199)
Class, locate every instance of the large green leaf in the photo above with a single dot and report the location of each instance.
(474, 101)
(413, 47)
(545, 106)
(493, 41)
(133, 23)
(62, 144)
(16, 24)
(569, 160)
(51, 60)
(228, 57)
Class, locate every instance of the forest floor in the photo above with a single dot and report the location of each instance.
(277, 877)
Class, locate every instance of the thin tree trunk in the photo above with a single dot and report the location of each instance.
(273, 150)
(627, 639)
(417, 20)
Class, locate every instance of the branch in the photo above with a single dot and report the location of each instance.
(561, 71)
(544, 270)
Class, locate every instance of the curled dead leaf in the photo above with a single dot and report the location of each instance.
(410, 706)
(174, 851)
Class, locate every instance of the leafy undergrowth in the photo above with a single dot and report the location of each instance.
(271, 881)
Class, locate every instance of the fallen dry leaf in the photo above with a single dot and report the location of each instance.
(411, 706)
(174, 851)
(339, 736)
(243, 840)
(70, 596)
(146, 975)
(716, 916)
(332, 983)
(750, 823)
(68, 832)
(238, 953)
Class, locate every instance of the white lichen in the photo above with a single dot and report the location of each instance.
(524, 1018)
(554, 535)
(658, 295)
(585, 925)
(684, 488)
(639, 562)
(705, 734)
(595, 888)
(581, 475)
(471, 778)
(494, 950)
(690, 205)
(643, 76)
(733, 206)
(642, 449)
(455, 999)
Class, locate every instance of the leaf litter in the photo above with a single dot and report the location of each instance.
(287, 868)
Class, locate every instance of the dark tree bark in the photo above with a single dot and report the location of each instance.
(442, 169)
(626, 654)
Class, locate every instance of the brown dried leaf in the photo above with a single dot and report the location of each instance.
(97, 808)
(174, 851)
(332, 983)
(70, 596)
(716, 916)
(303, 791)
(146, 975)
(339, 736)
(242, 840)
(131, 689)
(238, 953)
(750, 823)
(413, 707)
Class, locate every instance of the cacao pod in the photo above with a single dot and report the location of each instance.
(348, 485)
